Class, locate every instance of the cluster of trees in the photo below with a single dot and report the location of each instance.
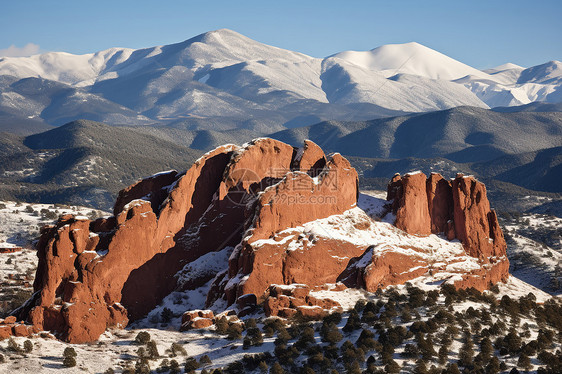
(148, 352)
(376, 334)
(447, 332)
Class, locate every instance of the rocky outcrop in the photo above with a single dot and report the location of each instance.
(197, 319)
(11, 327)
(255, 202)
(410, 203)
(476, 225)
(458, 208)
(262, 258)
(96, 274)
(10, 249)
(291, 300)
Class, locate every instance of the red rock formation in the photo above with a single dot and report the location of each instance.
(95, 274)
(10, 327)
(476, 225)
(151, 189)
(412, 213)
(288, 301)
(459, 209)
(87, 281)
(197, 319)
(10, 249)
(5, 332)
(440, 205)
(297, 199)
(310, 159)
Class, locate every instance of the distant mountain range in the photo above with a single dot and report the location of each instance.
(222, 80)
(517, 154)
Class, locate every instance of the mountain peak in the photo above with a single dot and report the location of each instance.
(503, 67)
(409, 58)
(215, 35)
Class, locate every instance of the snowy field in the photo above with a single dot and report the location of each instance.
(535, 250)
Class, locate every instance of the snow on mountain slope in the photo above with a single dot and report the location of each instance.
(346, 83)
(64, 67)
(223, 74)
(409, 58)
(548, 73)
(506, 73)
(504, 67)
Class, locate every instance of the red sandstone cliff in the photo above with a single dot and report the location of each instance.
(458, 208)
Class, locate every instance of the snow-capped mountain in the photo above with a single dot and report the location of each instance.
(224, 75)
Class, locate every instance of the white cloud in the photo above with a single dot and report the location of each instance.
(13, 51)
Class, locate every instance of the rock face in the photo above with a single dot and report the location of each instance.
(10, 249)
(97, 274)
(10, 327)
(259, 260)
(93, 275)
(197, 319)
(411, 208)
(256, 201)
(288, 301)
(459, 209)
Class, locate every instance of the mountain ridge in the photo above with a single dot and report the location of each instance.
(223, 76)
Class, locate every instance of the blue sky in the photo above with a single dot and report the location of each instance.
(480, 33)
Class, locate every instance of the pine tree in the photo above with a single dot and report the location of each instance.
(142, 338)
(443, 355)
(493, 366)
(453, 369)
(353, 321)
(420, 368)
(466, 353)
(69, 357)
(486, 349)
(263, 367)
(524, 362)
(166, 315)
(190, 365)
(512, 341)
(27, 346)
(152, 350)
(174, 367)
(283, 336)
(392, 367)
(234, 331)
(276, 369)
(354, 368)
(221, 325)
(330, 333)
(205, 360)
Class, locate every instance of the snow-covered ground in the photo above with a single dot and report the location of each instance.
(535, 250)
(20, 222)
(116, 349)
